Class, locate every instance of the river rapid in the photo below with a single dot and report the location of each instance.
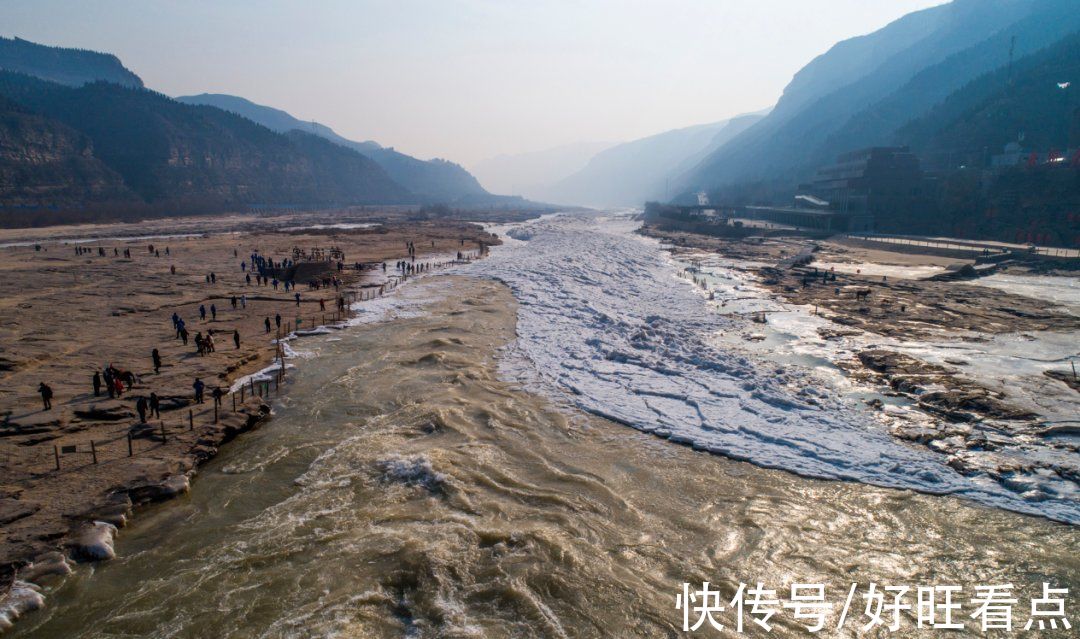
(430, 473)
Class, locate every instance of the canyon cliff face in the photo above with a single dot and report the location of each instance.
(43, 162)
(103, 144)
(430, 180)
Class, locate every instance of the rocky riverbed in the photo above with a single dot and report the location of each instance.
(70, 476)
(979, 374)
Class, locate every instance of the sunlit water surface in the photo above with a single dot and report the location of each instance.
(402, 489)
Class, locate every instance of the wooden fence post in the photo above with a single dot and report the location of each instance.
(164, 439)
(190, 420)
(130, 452)
(56, 453)
(93, 450)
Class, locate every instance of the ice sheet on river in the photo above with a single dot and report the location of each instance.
(604, 320)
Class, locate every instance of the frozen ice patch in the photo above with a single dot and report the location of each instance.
(603, 322)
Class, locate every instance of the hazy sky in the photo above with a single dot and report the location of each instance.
(467, 79)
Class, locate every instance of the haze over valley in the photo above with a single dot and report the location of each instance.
(459, 318)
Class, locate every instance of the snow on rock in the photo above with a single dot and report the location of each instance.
(21, 598)
(94, 542)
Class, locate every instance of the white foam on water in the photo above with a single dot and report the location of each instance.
(604, 321)
(411, 470)
(263, 375)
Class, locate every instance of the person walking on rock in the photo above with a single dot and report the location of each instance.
(155, 405)
(109, 386)
(46, 395)
(156, 356)
(236, 338)
(97, 383)
(199, 387)
(140, 407)
(267, 323)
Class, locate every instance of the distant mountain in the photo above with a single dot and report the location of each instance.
(431, 180)
(838, 103)
(73, 67)
(530, 173)
(45, 161)
(1023, 107)
(852, 59)
(633, 172)
(1050, 21)
(1023, 104)
(169, 155)
(271, 118)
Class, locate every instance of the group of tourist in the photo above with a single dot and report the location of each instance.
(412, 268)
(315, 284)
(85, 250)
(115, 381)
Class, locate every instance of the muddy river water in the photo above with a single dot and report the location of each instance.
(403, 488)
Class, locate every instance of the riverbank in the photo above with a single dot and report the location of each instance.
(72, 310)
(895, 297)
(977, 371)
(404, 487)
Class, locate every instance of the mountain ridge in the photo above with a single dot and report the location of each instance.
(787, 145)
(189, 158)
(530, 172)
(68, 66)
(629, 173)
(431, 180)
